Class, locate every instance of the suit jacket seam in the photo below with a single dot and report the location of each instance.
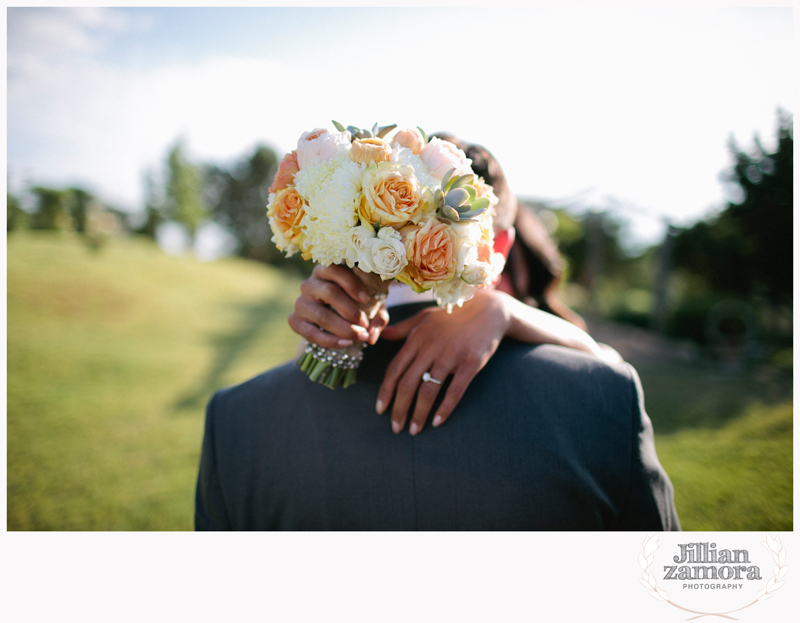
(323, 463)
(214, 469)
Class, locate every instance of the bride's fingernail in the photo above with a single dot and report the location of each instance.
(414, 428)
(438, 420)
(396, 426)
(379, 407)
(345, 342)
(360, 331)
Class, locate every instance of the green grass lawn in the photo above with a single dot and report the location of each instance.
(111, 359)
(726, 440)
(112, 356)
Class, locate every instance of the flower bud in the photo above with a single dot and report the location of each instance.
(369, 150)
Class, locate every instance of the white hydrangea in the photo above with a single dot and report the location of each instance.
(332, 209)
(403, 155)
(309, 181)
(468, 235)
(453, 292)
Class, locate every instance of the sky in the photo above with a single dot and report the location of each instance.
(630, 109)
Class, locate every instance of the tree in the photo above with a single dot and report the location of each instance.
(52, 209)
(16, 217)
(184, 198)
(78, 204)
(238, 198)
(747, 250)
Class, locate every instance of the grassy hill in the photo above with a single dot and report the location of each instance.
(112, 356)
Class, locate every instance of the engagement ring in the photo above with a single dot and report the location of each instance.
(429, 379)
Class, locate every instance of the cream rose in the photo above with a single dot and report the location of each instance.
(477, 273)
(388, 257)
(286, 171)
(441, 156)
(359, 245)
(409, 138)
(431, 253)
(320, 145)
(369, 150)
(391, 195)
(285, 212)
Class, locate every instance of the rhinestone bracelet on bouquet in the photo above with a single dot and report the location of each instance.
(337, 367)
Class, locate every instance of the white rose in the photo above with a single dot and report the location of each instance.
(453, 292)
(359, 239)
(478, 273)
(388, 256)
(389, 233)
(498, 264)
(320, 145)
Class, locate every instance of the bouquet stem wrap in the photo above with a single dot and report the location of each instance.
(334, 367)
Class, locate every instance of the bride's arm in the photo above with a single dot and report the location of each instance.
(460, 343)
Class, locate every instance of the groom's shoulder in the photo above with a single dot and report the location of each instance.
(561, 363)
(269, 388)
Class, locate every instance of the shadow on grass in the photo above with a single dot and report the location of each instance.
(697, 396)
(229, 349)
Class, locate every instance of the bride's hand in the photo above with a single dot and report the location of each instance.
(327, 314)
(441, 344)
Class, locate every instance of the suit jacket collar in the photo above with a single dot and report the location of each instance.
(398, 313)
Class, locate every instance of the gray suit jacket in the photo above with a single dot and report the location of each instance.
(546, 438)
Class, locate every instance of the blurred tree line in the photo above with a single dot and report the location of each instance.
(726, 282)
(73, 209)
(721, 281)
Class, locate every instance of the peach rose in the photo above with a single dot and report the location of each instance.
(431, 253)
(391, 194)
(410, 138)
(441, 156)
(320, 145)
(369, 150)
(285, 213)
(285, 174)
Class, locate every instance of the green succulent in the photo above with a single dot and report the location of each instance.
(355, 132)
(457, 200)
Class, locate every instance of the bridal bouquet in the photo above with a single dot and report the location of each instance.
(391, 204)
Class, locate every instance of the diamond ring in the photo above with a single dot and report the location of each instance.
(429, 379)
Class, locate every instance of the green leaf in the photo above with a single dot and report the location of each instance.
(456, 197)
(451, 213)
(463, 180)
(473, 194)
(481, 203)
(424, 136)
(338, 125)
(385, 130)
(446, 179)
(472, 213)
(438, 198)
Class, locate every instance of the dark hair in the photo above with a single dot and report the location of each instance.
(535, 268)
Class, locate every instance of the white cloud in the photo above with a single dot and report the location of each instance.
(637, 104)
(46, 44)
